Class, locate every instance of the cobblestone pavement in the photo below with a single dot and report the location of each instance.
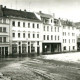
(41, 69)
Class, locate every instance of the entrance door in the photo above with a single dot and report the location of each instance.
(2, 51)
(19, 50)
(6, 51)
(38, 50)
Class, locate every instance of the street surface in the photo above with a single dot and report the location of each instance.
(40, 69)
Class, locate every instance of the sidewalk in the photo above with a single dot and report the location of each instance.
(68, 57)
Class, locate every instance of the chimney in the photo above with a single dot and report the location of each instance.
(1, 12)
(4, 6)
(40, 11)
(1, 6)
(25, 10)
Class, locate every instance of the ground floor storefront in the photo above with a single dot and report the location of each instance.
(51, 47)
(4, 50)
(26, 48)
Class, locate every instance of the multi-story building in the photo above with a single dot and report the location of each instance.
(78, 35)
(69, 36)
(4, 36)
(25, 31)
(51, 33)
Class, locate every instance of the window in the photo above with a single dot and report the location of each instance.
(55, 37)
(69, 40)
(13, 34)
(55, 29)
(0, 29)
(13, 23)
(18, 35)
(58, 37)
(28, 25)
(47, 37)
(64, 48)
(28, 35)
(23, 35)
(0, 39)
(18, 24)
(63, 40)
(33, 35)
(73, 47)
(37, 25)
(51, 20)
(37, 42)
(4, 20)
(68, 34)
(0, 20)
(4, 29)
(23, 24)
(44, 37)
(37, 35)
(33, 25)
(51, 37)
(73, 34)
(63, 33)
(51, 28)
(58, 29)
(47, 28)
(4, 39)
(44, 28)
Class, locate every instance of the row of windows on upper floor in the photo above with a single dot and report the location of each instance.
(48, 37)
(66, 40)
(65, 48)
(3, 20)
(24, 25)
(47, 28)
(2, 39)
(65, 33)
(68, 27)
(24, 35)
(3, 29)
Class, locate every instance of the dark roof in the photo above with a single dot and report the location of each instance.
(18, 13)
(45, 15)
(67, 23)
(77, 25)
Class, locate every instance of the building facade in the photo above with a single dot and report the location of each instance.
(23, 32)
(69, 36)
(4, 37)
(51, 34)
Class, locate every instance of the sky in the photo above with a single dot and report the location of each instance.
(64, 9)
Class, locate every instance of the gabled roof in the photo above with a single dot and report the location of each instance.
(17, 13)
(45, 15)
